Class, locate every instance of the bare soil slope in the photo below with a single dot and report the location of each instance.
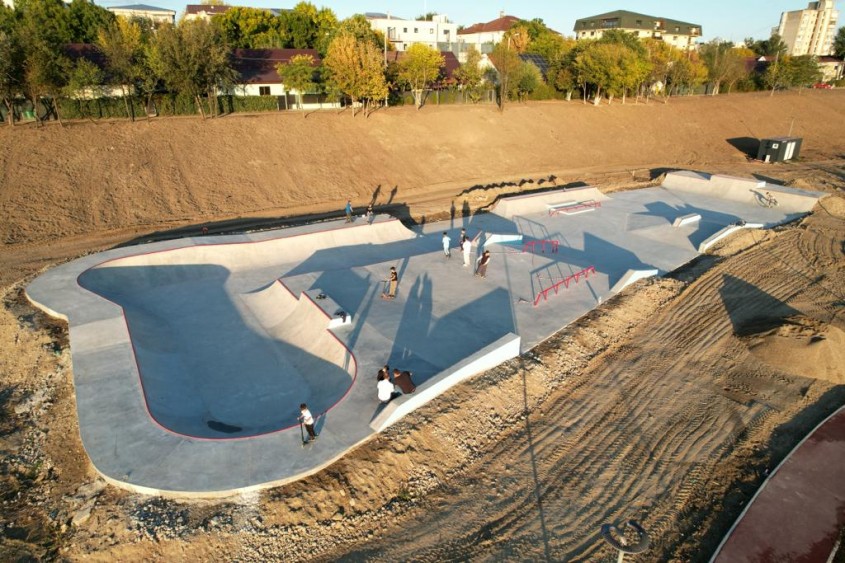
(667, 404)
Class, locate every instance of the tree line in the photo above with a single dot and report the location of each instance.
(193, 59)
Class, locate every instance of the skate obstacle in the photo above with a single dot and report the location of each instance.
(556, 284)
(685, 220)
(630, 277)
(531, 245)
(587, 196)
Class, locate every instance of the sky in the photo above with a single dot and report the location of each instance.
(733, 20)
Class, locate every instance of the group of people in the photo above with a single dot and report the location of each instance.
(387, 385)
(465, 244)
(348, 210)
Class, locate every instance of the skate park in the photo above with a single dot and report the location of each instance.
(191, 356)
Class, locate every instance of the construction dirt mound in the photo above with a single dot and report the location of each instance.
(669, 403)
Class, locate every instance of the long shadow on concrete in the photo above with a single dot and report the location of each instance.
(207, 369)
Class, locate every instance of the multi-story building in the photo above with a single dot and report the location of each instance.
(437, 33)
(679, 34)
(157, 15)
(810, 31)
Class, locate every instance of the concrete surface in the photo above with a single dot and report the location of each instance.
(191, 356)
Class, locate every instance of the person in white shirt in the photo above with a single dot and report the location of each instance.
(385, 388)
(466, 246)
(308, 421)
(446, 242)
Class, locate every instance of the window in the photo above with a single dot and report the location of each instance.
(263, 90)
(592, 33)
(404, 30)
(416, 30)
(431, 31)
(445, 32)
(639, 22)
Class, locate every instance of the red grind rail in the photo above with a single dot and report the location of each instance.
(576, 277)
(531, 245)
(580, 205)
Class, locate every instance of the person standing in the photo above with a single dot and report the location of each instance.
(393, 282)
(463, 238)
(370, 215)
(307, 420)
(482, 264)
(466, 246)
(446, 242)
(348, 210)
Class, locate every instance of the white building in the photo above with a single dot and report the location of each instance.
(402, 33)
(158, 15)
(810, 31)
(682, 35)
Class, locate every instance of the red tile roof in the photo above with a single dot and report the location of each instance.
(500, 24)
(258, 66)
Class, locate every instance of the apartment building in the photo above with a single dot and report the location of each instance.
(810, 31)
(682, 35)
(157, 15)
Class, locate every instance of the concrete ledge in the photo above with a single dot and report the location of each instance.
(684, 220)
(730, 229)
(632, 276)
(538, 203)
(502, 239)
(488, 357)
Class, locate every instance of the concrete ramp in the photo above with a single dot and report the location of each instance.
(742, 190)
(510, 207)
(630, 277)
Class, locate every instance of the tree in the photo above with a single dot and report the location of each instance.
(803, 71)
(419, 68)
(86, 19)
(193, 58)
(724, 64)
(771, 47)
(355, 68)
(526, 78)
(11, 72)
(251, 28)
(839, 44)
(470, 75)
(121, 43)
(298, 75)
(506, 60)
(300, 25)
(427, 17)
(85, 82)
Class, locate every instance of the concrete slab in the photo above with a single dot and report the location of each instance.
(191, 356)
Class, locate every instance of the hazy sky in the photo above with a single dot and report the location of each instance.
(726, 19)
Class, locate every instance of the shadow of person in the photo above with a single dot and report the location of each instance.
(376, 193)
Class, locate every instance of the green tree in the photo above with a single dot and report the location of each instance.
(470, 75)
(355, 68)
(11, 72)
(803, 71)
(193, 58)
(771, 47)
(526, 78)
(506, 60)
(86, 19)
(121, 44)
(419, 68)
(251, 28)
(85, 83)
(300, 25)
(839, 44)
(724, 64)
(298, 75)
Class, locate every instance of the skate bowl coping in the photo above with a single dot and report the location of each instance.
(510, 207)
(503, 349)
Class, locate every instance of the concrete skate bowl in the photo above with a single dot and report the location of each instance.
(216, 361)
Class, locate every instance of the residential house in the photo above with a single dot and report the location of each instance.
(810, 31)
(439, 33)
(682, 35)
(157, 15)
(259, 77)
(483, 36)
(833, 69)
(447, 73)
(91, 53)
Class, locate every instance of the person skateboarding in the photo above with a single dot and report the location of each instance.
(392, 281)
(307, 420)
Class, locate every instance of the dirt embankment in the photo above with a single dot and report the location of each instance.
(667, 404)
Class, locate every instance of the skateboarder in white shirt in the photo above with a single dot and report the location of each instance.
(308, 421)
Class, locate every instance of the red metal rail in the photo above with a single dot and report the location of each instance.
(532, 245)
(576, 277)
